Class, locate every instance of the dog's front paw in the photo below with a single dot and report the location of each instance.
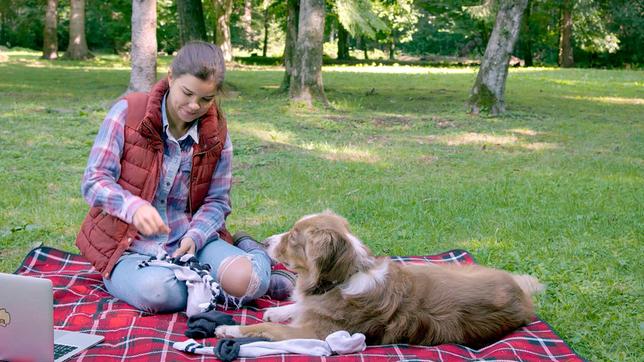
(278, 314)
(228, 332)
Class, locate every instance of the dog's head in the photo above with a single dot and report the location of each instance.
(322, 250)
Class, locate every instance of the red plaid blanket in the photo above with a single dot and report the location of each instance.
(81, 303)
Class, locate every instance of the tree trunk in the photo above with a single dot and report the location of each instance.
(392, 49)
(526, 37)
(3, 26)
(489, 88)
(565, 36)
(247, 22)
(191, 21)
(266, 23)
(343, 43)
(306, 81)
(223, 9)
(290, 43)
(77, 48)
(50, 34)
(144, 46)
(365, 48)
(6, 12)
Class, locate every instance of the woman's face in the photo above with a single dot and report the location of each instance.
(189, 98)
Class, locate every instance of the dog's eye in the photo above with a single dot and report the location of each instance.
(293, 242)
(290, 239)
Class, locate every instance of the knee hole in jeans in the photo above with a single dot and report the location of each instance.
(237, 276)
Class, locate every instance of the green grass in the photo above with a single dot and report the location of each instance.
(554, 188)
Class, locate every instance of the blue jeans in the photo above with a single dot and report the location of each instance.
(155, 289)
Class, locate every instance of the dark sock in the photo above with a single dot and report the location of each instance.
(202, 325)
(227, 349)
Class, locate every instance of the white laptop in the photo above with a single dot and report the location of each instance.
(27, 323)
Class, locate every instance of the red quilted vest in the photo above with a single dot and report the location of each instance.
(103, 238)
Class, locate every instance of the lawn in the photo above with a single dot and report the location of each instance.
(554, 188)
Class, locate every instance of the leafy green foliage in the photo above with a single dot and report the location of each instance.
(454, 28)
(589, 29)
(359, 17)
(484, 11)
(600, 30)
(19, 20)
(625, 19)
(109, 23)
(167, 26)
(401, 17)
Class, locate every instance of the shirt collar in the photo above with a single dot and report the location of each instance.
(193, 131)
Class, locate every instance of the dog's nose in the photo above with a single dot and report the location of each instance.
(272, 240)
(271, 243)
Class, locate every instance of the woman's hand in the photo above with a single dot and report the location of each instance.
(187, 246)
(148, 221)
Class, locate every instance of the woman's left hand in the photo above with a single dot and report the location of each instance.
(187, 246)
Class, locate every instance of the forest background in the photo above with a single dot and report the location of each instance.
(602, 33)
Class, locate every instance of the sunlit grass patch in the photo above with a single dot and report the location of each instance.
(611, 100)
(348, 152)
(400, 69)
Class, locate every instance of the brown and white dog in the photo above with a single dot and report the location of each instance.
(342, 286)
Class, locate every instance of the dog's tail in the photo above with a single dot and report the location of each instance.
(529, 284)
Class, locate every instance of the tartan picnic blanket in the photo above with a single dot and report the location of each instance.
(81, 303)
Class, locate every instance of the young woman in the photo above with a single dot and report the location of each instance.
(158, 180)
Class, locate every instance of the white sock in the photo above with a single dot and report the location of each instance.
(193, 346)
(340, 342)
(313, 347)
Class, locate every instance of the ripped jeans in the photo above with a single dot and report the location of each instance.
(155, 289)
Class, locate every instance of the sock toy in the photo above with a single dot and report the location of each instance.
(203, 290)
(202, 325)
(340, 342)
(227, 349)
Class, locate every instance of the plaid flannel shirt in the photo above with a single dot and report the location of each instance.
(100, 189)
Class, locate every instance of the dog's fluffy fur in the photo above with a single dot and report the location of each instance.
(342, 286)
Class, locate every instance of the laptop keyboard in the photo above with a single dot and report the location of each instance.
(62, 349)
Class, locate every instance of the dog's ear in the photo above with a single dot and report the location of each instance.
(333, 260)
